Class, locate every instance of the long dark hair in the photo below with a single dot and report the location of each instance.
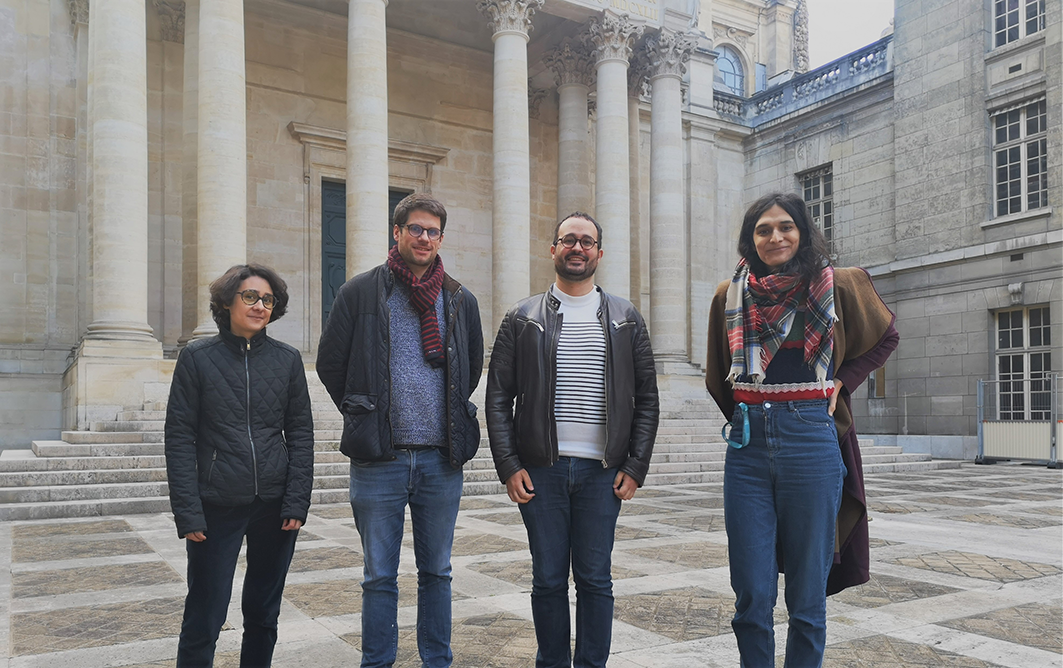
(812, 252)
(223, 291)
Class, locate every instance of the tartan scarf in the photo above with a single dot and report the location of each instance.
(423, 295)
(759, 309)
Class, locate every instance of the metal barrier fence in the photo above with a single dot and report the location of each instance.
(1020, 419)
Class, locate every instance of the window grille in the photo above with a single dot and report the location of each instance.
(817, 189)
(1020, 158)
(1015, 19)
(1024, 363)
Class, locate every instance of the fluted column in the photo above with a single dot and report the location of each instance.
(574, 72)
(119, 171)
(667, 53)
(612, 36)
(221, 178)
(636, 84)
(191, 295)
(367, 135)
(511, 206)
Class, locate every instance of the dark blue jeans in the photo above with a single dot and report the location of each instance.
(782, 491)
(572, 519)
(426, 481)
(211, 565)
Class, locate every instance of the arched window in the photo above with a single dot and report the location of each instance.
(729, 67)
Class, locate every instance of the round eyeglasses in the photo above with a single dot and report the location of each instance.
(250, 297)
(416, 231)
(569, 241)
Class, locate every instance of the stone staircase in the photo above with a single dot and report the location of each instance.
(118, 467)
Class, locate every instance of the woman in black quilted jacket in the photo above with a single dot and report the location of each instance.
(240, 463)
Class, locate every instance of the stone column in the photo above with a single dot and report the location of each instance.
(511, 210)
(636, 84)
(367, 135)
(574, 73)
(222, 149)
(667, 53)
(612, 36)
(120, 171)
(191, 296)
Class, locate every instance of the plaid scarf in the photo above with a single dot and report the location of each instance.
(759, 310)
(423, 295)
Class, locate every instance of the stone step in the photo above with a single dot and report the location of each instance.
(657, 479)
(140, 416)
(129, 425)
(84, 508)
(53, 493)
(78, 437)
(13, 480)
(15, 461)
(66, 449)
(912, 465)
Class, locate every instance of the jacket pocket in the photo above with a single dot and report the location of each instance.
(358, 404)
(213, 461)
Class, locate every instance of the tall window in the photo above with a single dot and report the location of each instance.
(1023, 364)
(876, 383)
(1020, 158)
(1014, 19)
(817, 189)
(729, 65)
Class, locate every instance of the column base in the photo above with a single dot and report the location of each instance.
(204, 331)
(119, 330)
(675, 364)
(107, 376)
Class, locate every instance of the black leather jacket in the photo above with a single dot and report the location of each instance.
(238, 425)
(353, 362)
(524, 367)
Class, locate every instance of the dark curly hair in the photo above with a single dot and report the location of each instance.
(419, 202)
(812, 252)
(224, 288)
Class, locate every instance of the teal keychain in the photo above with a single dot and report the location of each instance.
(745, 429)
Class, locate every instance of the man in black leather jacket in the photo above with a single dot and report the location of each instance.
(400, 355)
(577, 362)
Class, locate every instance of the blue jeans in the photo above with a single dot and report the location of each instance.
(782, 492)
(211, 565)
(379, 493)
(572, 519)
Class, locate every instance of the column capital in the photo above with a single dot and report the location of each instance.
(79, 11)
(509, 16)
(637, 74)
(571, 64)
(612, 36)
(667, 53)
(171, 19)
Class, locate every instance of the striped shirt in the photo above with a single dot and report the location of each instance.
(579, 399)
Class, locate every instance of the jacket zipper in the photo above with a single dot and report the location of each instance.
(555, 339)
(451, 318)
(247, 377)
(213, 458)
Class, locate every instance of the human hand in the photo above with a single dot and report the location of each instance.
(519, 487)
(291, 525)
(196, 536)
(834, 397)
(624, 486)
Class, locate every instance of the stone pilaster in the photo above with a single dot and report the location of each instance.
(667, 54)
(192, 294)
(511, 208)
(574, 72)
(221, 234)
(367, 135)
(612, 37)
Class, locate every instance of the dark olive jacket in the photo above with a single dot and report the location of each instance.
(238, 426)
(524, 369)
(353, 362)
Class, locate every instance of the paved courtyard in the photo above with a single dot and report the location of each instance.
(966, 571)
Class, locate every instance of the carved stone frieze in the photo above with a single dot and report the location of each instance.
(171, 19)
(79, 11)
(612, 36)
(668, 52)
(509, 15)
(801, 36)
(571, 64)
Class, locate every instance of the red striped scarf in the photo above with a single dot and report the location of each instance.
(424, 292)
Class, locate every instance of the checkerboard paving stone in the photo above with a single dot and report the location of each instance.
(886, 589)
(886, 652)
(484, 543)
(344, 597)
(1020, 495)
(57, 548)
(978, 566)
(480, 503)
(324, 558)
(682, 614)
(896, 507)
(703, 502)
(95, 626)
(306, 536)
(879, 542)
(1045, 510)
(229, 659)
(950, 500)
(333, 511)
(705, 522)
(70, 528)
(634, 533)
(510, 518)
(691, 555)
(657, 492)
(1037, 625)
(1001, 520)
(634, 508)
(28, 584)
(520, 572)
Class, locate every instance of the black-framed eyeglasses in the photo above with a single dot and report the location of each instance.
(416, 231)
(250, 297)
(569, 241)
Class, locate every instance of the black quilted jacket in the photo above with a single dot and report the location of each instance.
(353, 364)
(238, 425)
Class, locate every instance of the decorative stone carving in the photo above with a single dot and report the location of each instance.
(637, 73)
(668, 52)
(79, 11)
(171, 19)
(592, 107)
(509, 15)
(535, 99)
(570, 64)
(612, 36)
(734, 35)
(801, 36)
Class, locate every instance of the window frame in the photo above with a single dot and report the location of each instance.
(733, 58)
(1028, 15)
(817, 190)
(1035, 384)
(1022, 151)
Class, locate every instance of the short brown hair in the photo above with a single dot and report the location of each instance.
(223, 291)
(584, 216)
(419, 202)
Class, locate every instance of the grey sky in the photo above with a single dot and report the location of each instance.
(838, 27)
